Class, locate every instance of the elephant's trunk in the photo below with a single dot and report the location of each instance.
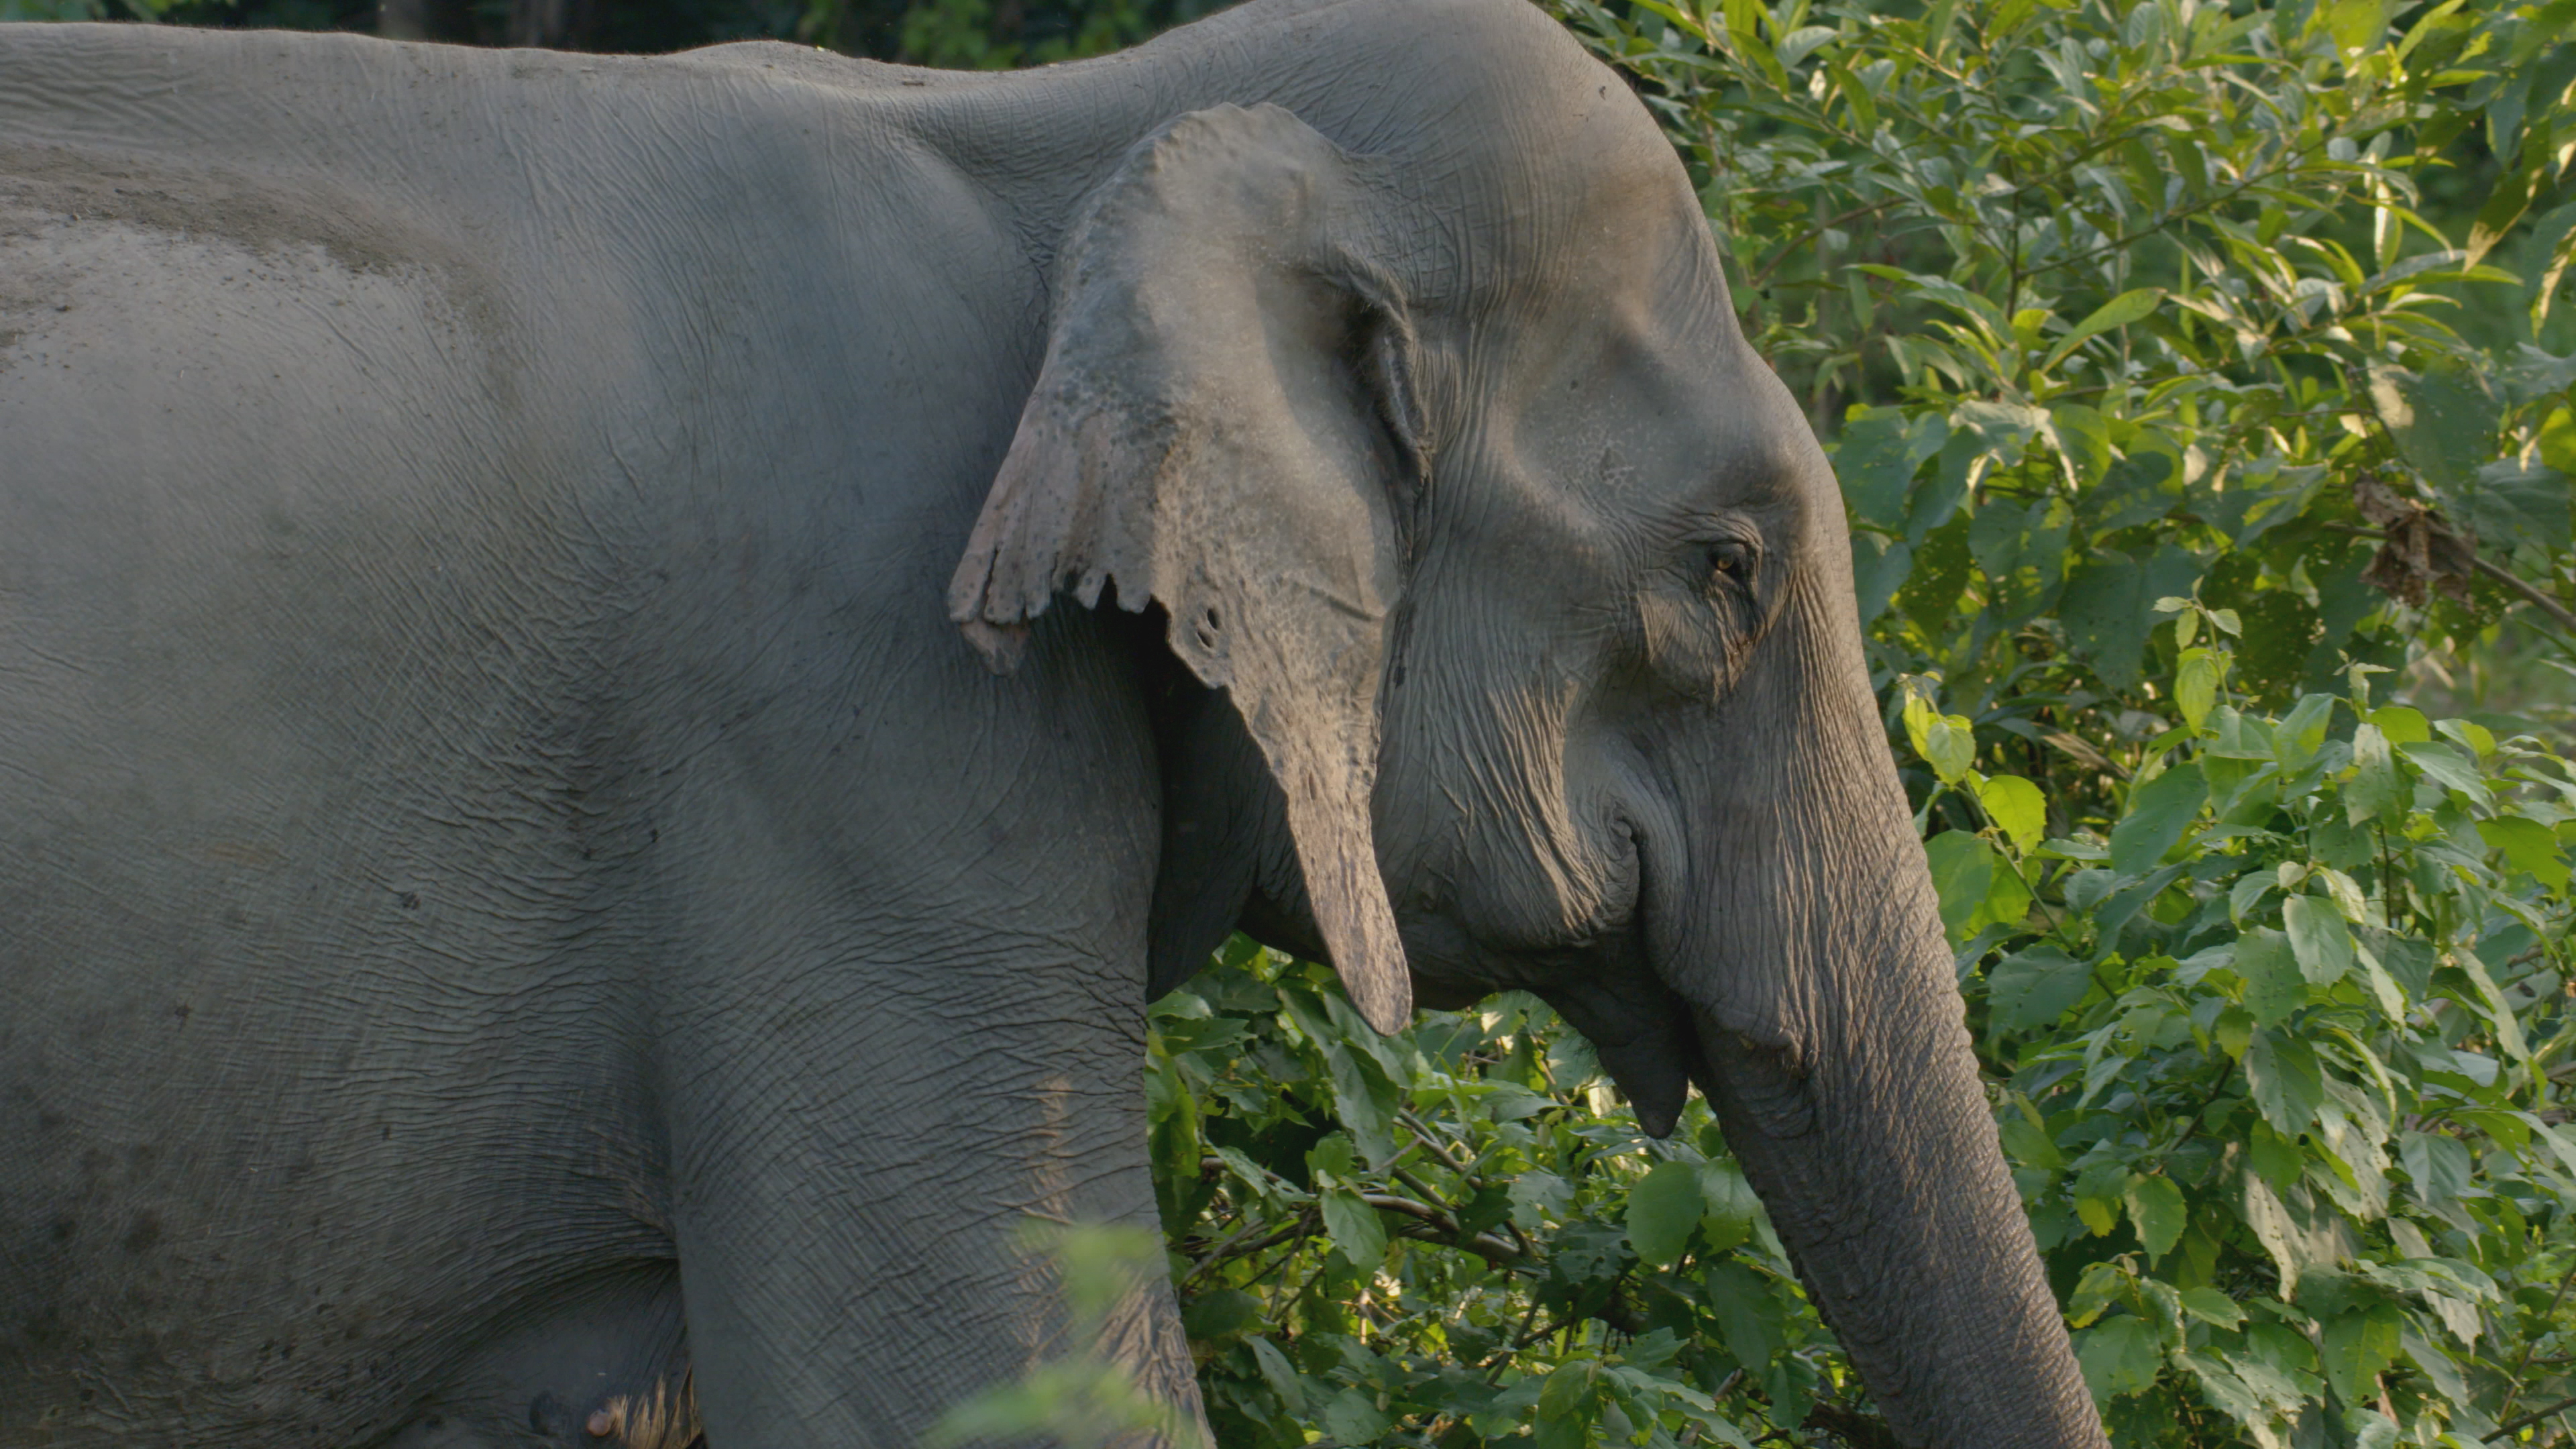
(1891, 1197)
(1807, 941)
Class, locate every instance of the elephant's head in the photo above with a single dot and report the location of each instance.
(1449, 465)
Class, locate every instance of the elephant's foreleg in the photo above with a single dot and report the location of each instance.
(856, 1154)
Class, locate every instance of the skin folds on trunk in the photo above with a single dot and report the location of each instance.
(1905, 1228)
(1833, 1049)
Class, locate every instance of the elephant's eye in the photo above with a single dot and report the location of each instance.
(1730, 563)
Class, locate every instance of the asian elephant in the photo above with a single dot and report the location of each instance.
(514, 889)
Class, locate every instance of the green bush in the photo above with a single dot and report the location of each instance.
(2171, 419)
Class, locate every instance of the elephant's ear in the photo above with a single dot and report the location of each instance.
(1208, 430)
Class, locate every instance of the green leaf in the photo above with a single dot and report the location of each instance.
(2120, 311)
(2026, 1137)
(2196, 682)
(1663, 1207)
(2106, 607)
(2007, 900)
(2376, 790)
(2212, 1307)
(1568, 1403)
(2447, 767)
(2159, 811)
(2016, 805)
(1748, 1317)
(1363, 1097)
(2356, 25)
(2477, 737)
(2287, 1087)
(2140, 488)
(2119, 1356)
(2440, 1167)
(2034, 986)
(2318, 938)
(2509, 198)
(2275, 1157)
(1880, 566)
(1221, 1314)
(1353, 1417)
(1877, 459)
(1732, 1207)
(2444, 420)
(1356, 1230)
(2409, 960)
(1947, 742)
(2401, 725)
(2302, 732)
(2529, 846)
(2156, 1208)
(2102, 1284)
(2269, 1221)
(1963, 868)
(1279, 1374)
(2359, 1345)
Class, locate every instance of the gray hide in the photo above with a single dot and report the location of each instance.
(514, 889)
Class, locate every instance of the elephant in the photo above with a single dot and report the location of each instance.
(620, 677)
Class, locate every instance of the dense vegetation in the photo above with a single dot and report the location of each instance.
(2197, 375)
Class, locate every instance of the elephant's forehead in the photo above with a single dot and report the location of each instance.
(1647, 413)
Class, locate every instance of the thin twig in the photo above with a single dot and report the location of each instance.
(1298, 1227)
(1432, 1144)
(1422, 1133)
(2225, 1070)
(1503, 1355)
(2514, 1389)
(2534, 1417)
(1220, 1253)
(2529, 591)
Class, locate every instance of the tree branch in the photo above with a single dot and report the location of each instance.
(2534, 1417)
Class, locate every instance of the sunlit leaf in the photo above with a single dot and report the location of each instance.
(2120, 311)
(2528, 845)
(2156, 1208)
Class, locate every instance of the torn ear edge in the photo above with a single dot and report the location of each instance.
(1000, 646)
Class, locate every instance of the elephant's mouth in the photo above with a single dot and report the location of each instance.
(1641, 1029)
(1595, 973)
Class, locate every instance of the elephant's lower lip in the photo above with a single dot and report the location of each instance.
(1640, 1028)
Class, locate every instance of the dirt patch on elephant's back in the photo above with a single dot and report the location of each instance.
(53, 183)
(45, 187)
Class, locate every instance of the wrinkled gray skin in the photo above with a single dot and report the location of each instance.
(512, 884)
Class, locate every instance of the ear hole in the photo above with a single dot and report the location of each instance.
(1208, 629)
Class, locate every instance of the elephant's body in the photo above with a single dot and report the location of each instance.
(469, 663)
(513, 889)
